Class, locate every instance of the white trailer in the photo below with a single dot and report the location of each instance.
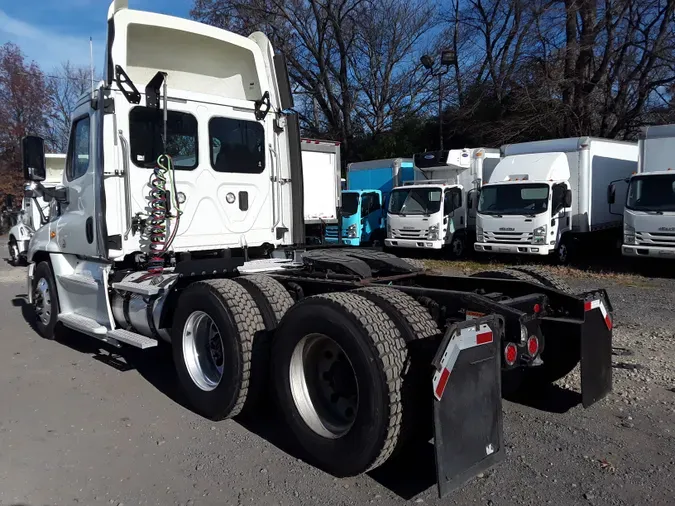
(322, 186)
(438, 209)
(649, 216)
(34, 210)
(549, 197)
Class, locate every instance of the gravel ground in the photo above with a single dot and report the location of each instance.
(80, 426)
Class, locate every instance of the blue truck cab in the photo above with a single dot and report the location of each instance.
(364, 203)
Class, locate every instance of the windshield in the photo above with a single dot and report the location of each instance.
(350, 204)
(514, 199)
(415, 201)
(652, 193)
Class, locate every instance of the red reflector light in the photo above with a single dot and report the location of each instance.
(537, 308)
(533, 346)
(510, 353)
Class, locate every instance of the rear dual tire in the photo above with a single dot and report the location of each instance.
(338, 361)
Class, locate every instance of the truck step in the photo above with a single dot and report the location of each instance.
(141, 289)
(132, 339)
(78, 280)
(82, 324)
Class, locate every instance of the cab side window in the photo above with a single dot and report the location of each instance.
(78, 150)
(369, 203)
(558, 197)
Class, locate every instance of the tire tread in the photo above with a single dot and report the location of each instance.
(248, 320)
(392, 354)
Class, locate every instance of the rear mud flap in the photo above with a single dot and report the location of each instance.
(596, 350)
(468, 436)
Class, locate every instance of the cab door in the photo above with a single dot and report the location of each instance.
(371, 214)
(80, 226)
(454, 215)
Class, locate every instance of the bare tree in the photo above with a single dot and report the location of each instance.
(352, 62)
(68, 82)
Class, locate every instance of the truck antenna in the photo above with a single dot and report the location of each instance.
(91, 64)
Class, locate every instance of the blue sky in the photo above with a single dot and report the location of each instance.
(53, 31)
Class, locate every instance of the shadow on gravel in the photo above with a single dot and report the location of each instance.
(155, 365)
(551, 398)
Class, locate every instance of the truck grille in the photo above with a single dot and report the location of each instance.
(332, 232)
(655, 239)
(411, 233)
(509, 237)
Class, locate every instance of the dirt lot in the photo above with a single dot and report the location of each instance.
(78, 426)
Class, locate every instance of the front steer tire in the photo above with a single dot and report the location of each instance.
(369, 343)
(45, 301)
(237, 318)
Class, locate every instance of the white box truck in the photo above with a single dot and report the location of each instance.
(438, 209)
(548, 197)
(649, 215)
(322, 187)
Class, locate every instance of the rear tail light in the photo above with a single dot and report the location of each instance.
(533, 346)
(510, 354)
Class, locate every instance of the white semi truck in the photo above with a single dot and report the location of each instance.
(438, 209)
(649, 216)
(180, 221)
(550, 197)
(34, 210)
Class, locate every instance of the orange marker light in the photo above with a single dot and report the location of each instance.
(52, 235)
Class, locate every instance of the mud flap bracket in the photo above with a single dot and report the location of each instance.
(468, 435)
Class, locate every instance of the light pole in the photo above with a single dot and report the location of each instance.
(448, 58)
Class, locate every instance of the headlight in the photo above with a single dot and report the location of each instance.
(433, 232)
(628, 234)
(351, 231)
(388, 229)
(540, 235)
(479, 235)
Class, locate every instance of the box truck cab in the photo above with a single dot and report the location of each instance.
(365, 200)
(549, 197)
(438, 209)
(649, 215)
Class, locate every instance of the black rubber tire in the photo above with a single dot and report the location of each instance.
(273, 300)
(377, 353)
(544, 277)
(419, 264)
(13, 254)
(49, 330)
(451, 247)
(412, 319)
(506, 274)
(415, 325)
(238, 319)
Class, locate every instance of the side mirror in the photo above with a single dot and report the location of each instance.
(568, 198)
(33, 156)
(611, 194)
(9, 201)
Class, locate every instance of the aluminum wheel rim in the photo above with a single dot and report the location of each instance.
(324, 386)
(203, 351)
(43, 301)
